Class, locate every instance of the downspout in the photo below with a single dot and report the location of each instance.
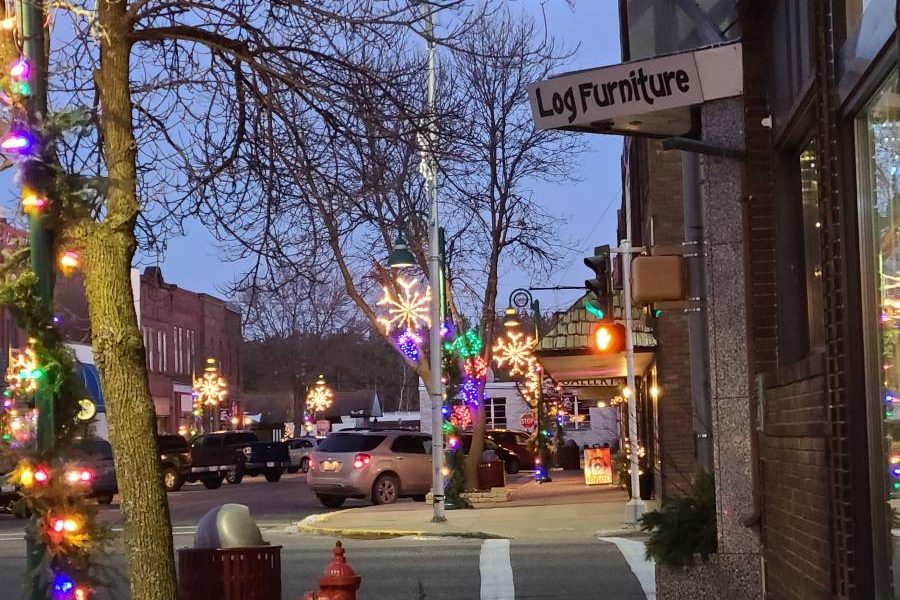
(695, 262)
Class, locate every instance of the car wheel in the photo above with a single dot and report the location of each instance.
(213, 483)
(512, 466)
(386, 489)
(104, 499)
(330, 500)
(234, 477)
(304, 464)
(274, 475)
(171, 479)
(419, 498)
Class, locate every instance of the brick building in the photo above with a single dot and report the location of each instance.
(182, 329)
(799, 182)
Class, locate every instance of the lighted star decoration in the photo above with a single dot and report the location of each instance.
(408, 309)
(514, 352)
(210, 388)
(320, 397)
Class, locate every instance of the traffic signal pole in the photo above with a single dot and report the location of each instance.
(636, 506)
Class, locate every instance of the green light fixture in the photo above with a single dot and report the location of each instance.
(401, 256)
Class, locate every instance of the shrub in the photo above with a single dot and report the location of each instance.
(684, 527)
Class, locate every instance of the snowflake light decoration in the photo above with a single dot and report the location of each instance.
(211, 388)
(320, 397)
(406, 310)
(514, 352)
(408, 343)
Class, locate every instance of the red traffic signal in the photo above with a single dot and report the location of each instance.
(608, 338)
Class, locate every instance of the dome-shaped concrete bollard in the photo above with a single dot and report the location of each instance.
(339, 581)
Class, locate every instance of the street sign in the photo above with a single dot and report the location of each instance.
(624, 97)
(527, 421)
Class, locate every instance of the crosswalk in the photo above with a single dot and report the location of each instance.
(428, 568)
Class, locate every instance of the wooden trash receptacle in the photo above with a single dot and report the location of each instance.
(252, 573)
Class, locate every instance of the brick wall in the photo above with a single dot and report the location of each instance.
(661, 198)
(797, 495)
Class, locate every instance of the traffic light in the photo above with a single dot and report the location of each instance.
(608, 338)
(599, 285)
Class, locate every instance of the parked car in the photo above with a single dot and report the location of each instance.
(97, 456)
(300, 450)
(9, 494)
(175, 461)
(511, 462)
(380, 466)
(267, 458)
(519, 443)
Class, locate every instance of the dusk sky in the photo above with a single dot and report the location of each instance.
(588, 206)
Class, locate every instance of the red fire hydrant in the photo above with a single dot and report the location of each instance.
(338, 582)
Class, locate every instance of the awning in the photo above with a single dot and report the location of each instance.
(573, 365)
(91, 379)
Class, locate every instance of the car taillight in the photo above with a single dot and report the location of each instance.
(361, 460)
(312, 463)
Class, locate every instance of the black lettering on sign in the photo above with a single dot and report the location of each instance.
(638, 87)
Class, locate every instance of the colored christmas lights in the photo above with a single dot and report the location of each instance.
(17, 141)
(408, 343)
(33, 203)
(69, 262)
(475, 368)
(408, 309)
(467, 345)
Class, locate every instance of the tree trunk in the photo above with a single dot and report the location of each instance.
(117, 341)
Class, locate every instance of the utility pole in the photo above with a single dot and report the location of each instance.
(428, 168)
(31, 28)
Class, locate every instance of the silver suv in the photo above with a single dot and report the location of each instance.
(380, 465)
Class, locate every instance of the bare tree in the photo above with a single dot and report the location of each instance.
(188, 99)
(355, 190)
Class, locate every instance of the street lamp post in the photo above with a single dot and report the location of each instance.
(521, 298)
(401, 257)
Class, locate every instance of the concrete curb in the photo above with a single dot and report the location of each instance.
(311, 524)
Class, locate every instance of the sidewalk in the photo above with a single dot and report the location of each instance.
(564, 509)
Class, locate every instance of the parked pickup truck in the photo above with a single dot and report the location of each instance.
(252, 456)
(211, 460)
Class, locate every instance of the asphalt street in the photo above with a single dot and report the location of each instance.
(393, 569)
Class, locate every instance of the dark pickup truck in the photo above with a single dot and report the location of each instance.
(252, 457)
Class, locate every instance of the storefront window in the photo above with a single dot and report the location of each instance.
(879, 190)
(812, 243)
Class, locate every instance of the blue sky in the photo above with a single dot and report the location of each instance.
(588, 205)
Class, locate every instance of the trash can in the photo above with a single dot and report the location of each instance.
(491, 474)
(229, 560)
(569, 458)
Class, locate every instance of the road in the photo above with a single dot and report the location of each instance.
(397, 569)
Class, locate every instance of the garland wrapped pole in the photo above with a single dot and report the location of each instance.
(31, 28)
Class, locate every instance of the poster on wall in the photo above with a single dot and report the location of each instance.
(322, 427)
(597, 466)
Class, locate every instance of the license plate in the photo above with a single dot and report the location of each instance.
(329, 465)
(270, 464)
(7, 488)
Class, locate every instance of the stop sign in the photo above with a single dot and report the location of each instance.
(527, 421)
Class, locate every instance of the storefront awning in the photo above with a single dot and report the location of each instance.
(576, 365)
